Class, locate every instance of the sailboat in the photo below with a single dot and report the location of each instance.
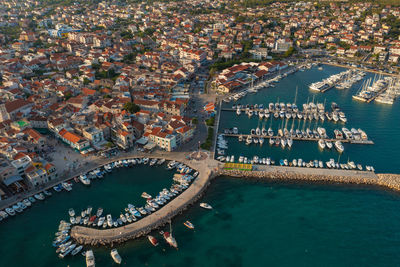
(169, 238)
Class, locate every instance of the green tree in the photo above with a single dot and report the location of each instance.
(68, 95)
(131, 107)
(289, 52)
(86, 81)
(109, 145)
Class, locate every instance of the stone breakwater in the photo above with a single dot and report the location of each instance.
(91, 236)
(391, 181)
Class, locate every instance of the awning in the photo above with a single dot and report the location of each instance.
(12, 180)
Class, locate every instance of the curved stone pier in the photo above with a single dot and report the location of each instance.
(92, 236)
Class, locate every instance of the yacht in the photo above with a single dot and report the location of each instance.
(84, 179)
(170, 239)
(90, 258)
(115, 255)
(290, 142)
(249, 140)
(321, 144)
(294, 162)
(270, 132)
(328, 144)
(283, 142)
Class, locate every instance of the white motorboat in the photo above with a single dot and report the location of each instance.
(290, 142)
(116, 257)
(71, 212)
(321, 144)
(10, 211)
(339, 146)
(205, 206)
(90, 262)
(76, 250)
(328, 144)
(27, 202)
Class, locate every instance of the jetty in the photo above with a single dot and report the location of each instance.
(344, 140)
(91, 236)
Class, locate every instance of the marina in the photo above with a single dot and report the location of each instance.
(106, 190)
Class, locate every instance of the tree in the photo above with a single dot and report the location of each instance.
(289, 52)
(109, 145)
(131, 107)
(68, 95)
(86, 81)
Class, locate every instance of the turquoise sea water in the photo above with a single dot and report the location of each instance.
(379, 121)
(253, 223)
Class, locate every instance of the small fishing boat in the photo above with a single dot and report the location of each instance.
(71, 212)
(152, 240)
(189, 225)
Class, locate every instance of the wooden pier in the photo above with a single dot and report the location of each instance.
(360, 142)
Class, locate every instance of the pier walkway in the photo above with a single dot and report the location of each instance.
(360, 142)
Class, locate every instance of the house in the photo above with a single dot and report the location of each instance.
(162, 139)
(35, 137)
(259, 53)
(122, 138)
(94, 135)
(11, 108)
(186, 133)
(75, 141)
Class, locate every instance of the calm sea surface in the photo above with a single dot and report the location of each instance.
(253, 223)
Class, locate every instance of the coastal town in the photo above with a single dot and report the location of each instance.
(84, 84)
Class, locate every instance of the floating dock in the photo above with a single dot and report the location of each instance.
(361, 142)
